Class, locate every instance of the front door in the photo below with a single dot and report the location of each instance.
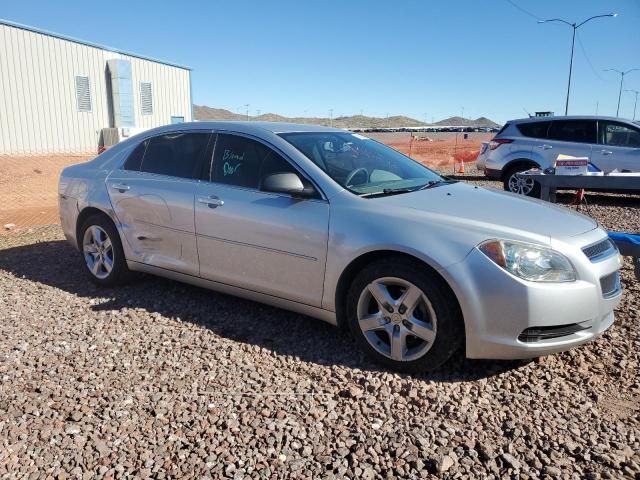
(265, 242)
(619, 147)
(153, 197)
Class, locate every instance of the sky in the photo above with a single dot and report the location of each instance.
(420, 58)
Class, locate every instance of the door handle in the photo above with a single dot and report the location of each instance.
(546, 147)
(211, 201)
(121, 187)
(606, 152)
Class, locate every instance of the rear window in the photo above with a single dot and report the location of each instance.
(504, 127)
(175, 155)
(580, 131)
(534, 129)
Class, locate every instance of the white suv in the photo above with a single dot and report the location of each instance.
(609, 143)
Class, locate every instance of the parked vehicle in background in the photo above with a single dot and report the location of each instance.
(340, 227)
(482, 156)
(609, 143)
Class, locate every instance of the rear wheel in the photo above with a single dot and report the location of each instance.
(403, 317)
(522, 186)
(102, 252)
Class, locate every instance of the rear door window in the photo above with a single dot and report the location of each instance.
(577, 131)
(619, 135)
(534, 129)
(176, 154)
(135, 158)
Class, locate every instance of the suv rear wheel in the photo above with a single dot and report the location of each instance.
(522, 186)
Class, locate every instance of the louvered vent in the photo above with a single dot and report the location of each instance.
(146, 98)
(83, 94)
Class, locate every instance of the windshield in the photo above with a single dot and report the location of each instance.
(360, 164)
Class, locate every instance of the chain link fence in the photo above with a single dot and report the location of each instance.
(29, 191)
(29, 184)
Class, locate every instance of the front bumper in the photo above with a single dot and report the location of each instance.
(500, 309)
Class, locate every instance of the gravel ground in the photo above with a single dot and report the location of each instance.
(161, 379)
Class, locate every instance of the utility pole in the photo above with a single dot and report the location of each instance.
(331, 117)
(246, 105)
(575, 26)
(635, 104)
(622, 74)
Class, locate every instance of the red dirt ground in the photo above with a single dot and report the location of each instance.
(28, 184)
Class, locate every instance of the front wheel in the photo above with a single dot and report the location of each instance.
(523, 186)
(102, 252)
(403, 317)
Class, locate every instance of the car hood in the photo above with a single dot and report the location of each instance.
(493, 210)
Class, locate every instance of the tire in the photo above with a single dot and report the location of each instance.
(428, 332)
(512, 184)
(102, 252)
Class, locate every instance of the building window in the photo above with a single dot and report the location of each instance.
(146, 98)
(83, 94)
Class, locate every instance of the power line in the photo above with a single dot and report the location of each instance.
(526, 12)
(584, 52)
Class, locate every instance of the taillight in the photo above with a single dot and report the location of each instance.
(496, 142)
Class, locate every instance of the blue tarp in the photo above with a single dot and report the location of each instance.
(627, 243)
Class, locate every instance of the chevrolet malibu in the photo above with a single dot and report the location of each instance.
(337, 226)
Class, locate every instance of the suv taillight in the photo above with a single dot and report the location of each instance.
(496, 142)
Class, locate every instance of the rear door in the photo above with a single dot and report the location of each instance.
(529, 143)
(153, 197)
(618, 146)
(267, 242)
(569, 137)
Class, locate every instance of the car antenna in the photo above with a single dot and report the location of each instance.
(525, 111)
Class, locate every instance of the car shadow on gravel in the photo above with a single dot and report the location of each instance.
(56, 264)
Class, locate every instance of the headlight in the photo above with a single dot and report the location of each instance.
(529, 262)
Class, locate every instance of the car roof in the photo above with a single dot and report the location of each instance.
(249, 127)
(569, 117)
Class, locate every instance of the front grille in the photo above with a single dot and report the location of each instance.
(538, 334)
(610, 284)
(599, 250)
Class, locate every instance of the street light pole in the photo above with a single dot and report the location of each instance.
(622, 74)
(635, 104)
(575, 26)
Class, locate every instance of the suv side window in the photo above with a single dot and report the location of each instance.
(580, 131)
(534, 129)
(175, 154)
(244, 162)
(618, 134)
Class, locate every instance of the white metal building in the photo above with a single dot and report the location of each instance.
(57, 93)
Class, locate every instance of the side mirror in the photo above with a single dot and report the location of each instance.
(286, 183)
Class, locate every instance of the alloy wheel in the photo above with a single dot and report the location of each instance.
(397, 319)
(523, 186)
(98, 252)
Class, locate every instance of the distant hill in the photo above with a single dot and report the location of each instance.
(202, 112)
(468, 122)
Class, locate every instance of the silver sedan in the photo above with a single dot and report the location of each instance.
(337, 226)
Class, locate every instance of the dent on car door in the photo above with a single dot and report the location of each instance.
(267, 242)
(619, 147)
(153, 196)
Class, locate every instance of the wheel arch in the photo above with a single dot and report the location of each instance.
(357, 264)
(525, 162)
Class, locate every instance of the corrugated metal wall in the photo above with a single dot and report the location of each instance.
(38, 109)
